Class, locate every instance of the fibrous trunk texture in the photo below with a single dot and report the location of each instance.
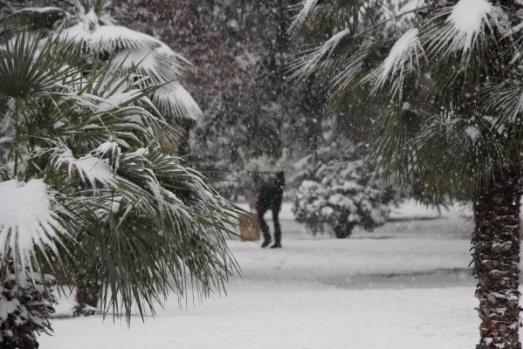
(496, 246)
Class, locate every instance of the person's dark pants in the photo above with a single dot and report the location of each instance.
(265, 227)
(264, 204)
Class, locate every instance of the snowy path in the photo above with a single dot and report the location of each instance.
(406, 285)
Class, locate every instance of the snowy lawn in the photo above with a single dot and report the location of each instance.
(405, 285)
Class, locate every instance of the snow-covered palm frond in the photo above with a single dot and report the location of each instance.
(451, 153)
(502, 107)
(157, 66)
(506, 102)
(163, 207)
(467, 152)
(400, 13)
(109, 38)
(403, 60)
(321, 57)
(133, 51)
(128, 126)
(307, 7)
(111, 150)
(109, 105)
(89, 168)
(357, 54)
(83, 124)
(106, 90)
(112, 101)
(466, 26)
(353, 70)
(380, 17)
(115, 38)
(173, 99)
(160, 69)
(94, 11)
(142, 201)
(28, 222)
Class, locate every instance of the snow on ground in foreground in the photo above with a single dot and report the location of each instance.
(406, 285)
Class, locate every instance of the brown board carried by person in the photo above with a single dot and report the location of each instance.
(249, 226)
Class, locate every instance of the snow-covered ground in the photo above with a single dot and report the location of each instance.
(405, 285)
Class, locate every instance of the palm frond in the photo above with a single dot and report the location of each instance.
(94, 11)
(108, 105)
(451, 154)
(323, 57)
(129, 50)
(462, 30)
(152, 62)
(20, 71)
(163, 207)
(160, 74)
(116, 38)
(31, 65)
(376, 17)
(403, 60)
(463, 149)
(366, 53)
(175, 101)
(502, 107)
(306, 7)
(505, 102)
(158, 67)
(89, 168)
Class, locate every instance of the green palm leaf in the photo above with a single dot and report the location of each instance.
(21, 64)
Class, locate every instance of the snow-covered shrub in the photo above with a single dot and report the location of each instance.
(338, 193)
(25, 311)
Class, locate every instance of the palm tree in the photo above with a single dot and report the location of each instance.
(153, 66)
(87, 191)
(445, 80)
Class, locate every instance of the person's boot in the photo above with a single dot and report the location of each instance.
(276, 245)
(266, 243)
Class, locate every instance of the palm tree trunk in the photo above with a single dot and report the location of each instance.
(496, 246)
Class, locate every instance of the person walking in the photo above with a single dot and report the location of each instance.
(270, 197)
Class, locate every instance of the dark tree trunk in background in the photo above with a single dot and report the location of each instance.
(343, 229)
(86, 298)
(496, 247)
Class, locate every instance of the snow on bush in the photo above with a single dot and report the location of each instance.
(25, 311)
(338, 192)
